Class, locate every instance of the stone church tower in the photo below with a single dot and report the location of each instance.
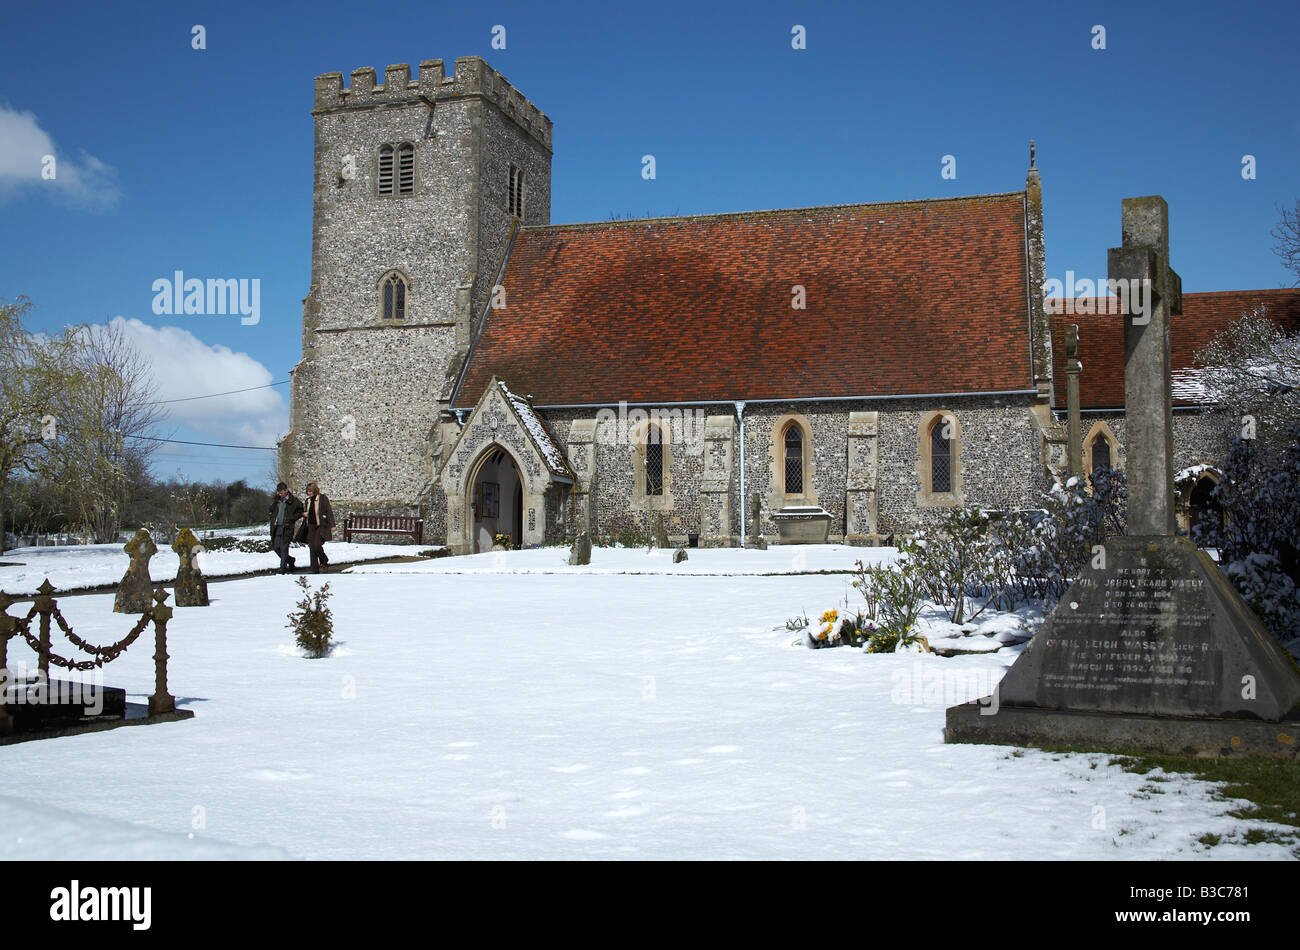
(420, 188)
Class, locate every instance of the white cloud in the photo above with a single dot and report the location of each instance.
(26, 151)
(183, 366)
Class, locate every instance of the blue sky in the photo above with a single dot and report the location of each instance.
(171, 158)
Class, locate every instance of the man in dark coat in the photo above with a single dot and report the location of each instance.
(320, 526)
(285, 512)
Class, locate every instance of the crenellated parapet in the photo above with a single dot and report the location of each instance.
(473, 78)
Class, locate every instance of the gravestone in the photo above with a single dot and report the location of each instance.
(658, 533)
(1151, 649)
(580, 551)
(191, 588)
(756, 539)
(679, 555)
(134, 591)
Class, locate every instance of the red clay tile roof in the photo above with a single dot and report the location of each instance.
(902, 298)
(1101, 339)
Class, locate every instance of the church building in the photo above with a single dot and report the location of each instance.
(849, 371)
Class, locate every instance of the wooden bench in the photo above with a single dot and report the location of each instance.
(384, 524)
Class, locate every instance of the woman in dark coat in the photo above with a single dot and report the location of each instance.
(320, 526)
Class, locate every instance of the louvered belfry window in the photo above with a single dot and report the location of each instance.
(654, 461)
(940, 458)
(406, 170)
(515, 199)
(394, 297)
(386, 170)
(793, 461)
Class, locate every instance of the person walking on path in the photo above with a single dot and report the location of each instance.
(320, 526)
(285, 512)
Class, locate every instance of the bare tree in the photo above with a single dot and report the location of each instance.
(192, 501)
(1287, 235)
(36, 381)
(112, 409)
(1250, 369)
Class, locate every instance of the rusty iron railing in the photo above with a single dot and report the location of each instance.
(45, 610)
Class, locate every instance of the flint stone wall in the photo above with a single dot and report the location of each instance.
(1000, 459)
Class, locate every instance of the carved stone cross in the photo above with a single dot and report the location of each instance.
(1143, 262)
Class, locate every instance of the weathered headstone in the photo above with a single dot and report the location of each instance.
(191, 588)
(659, 534)
(679, 555)
(580, 551)
(756, 539)
(1151, 648)
(134, 591)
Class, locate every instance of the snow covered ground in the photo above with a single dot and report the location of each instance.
(811, 558)
(987, 634)
(569, 714)
(93, 565)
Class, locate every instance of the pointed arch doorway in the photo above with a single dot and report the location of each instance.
(1203, 507)
(495, 500)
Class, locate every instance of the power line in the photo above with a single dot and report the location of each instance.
(160, 402)
(204, 459)
(215, 445)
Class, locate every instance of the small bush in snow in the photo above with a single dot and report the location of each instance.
(962, 564)
(1271, 593)
(1110, 493)
(246, 545)
(895, 595)
(1050, 548)
(1258, 538)
(312, 623)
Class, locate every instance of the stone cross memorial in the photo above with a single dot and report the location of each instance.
(580, 550)
(191, 587)
(1151, 649)
(135, 590)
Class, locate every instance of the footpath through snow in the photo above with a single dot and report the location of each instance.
(87, 566)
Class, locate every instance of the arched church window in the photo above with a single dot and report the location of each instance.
(1100, 454)
(393, 296)
(654, 461)
(794, 451)
(1100, 450)
(941, 445)
(385, 186)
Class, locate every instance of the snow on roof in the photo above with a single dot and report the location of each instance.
(551, 452)
(1189, 385)
(1193, 472)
